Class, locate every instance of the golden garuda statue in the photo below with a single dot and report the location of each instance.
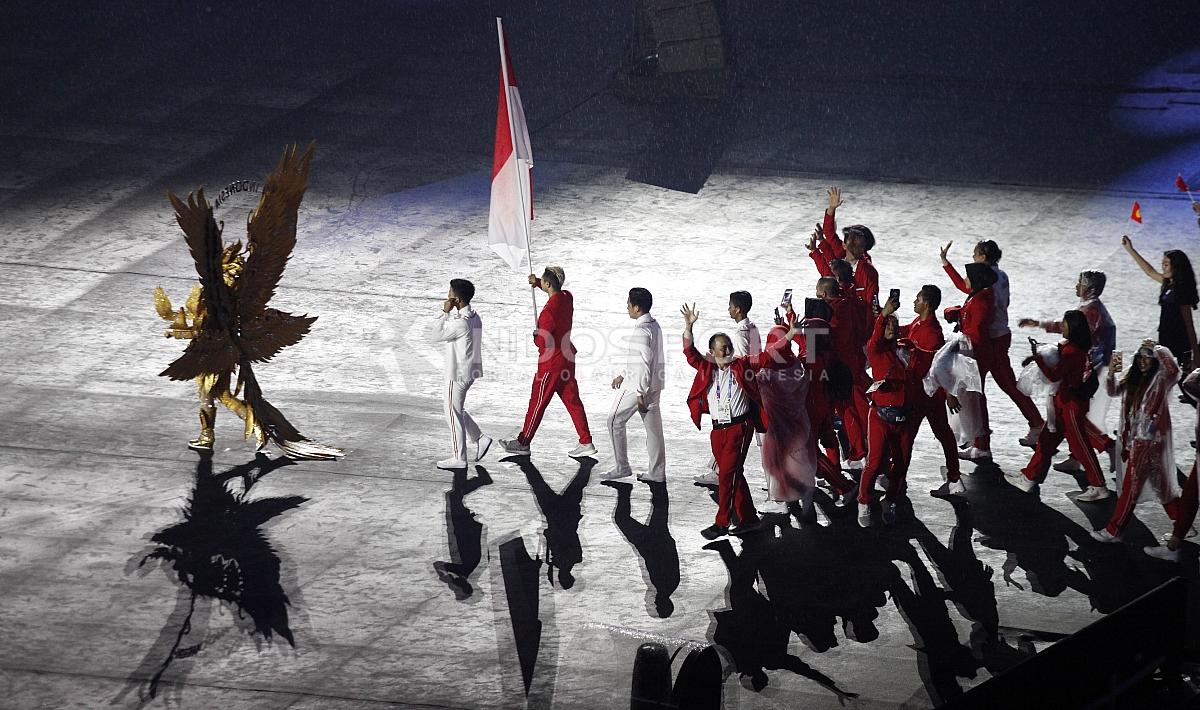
(226, 318)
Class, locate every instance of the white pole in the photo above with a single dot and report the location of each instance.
(512, 136)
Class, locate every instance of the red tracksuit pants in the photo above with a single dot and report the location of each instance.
(854, 414)
(729, 447)
(1070, 417)
(555, 378)
(828, 460)
(1186, 505)
(890, 446)
(933, 410)
(994, 359)
(1145, 462)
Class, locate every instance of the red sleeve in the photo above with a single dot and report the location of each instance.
(955, 278)
(837, 250)
(694, 358)
(822, 262)
(876, 344)
(1068, 360)
(867, 279)
(1052, 326)
(977, 316)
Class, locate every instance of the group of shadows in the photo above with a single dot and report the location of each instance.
(803, 580)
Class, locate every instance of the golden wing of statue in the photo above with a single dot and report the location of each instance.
(212, 349)
(271, 231)
(162, 304)
(193, 302)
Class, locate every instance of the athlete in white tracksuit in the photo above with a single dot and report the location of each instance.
(638, 388)
(459, 327)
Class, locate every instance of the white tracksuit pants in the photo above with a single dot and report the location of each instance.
(623, 408)
(463, 429)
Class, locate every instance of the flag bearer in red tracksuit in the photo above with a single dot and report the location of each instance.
(824, 387)
(850, 333)
(992, 352)
(925, 334)
(888, 430)
(556, 368)
(725, 389)
(1070, 413)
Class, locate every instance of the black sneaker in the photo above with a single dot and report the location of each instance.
(712, 532)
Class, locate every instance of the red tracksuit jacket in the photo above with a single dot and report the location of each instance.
(553, 335)
(976, 316)
(887, 366)
(1069, 373)
(866, 278)
(744, 369)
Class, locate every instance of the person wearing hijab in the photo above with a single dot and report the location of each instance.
(993, 352)
(1088, 289)
(1146, 446)
(787, 457)
(890, 442)
(1070, 411)
(974, 319)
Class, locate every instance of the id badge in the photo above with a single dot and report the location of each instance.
(723, 414)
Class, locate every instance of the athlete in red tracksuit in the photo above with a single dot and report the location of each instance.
(1070, 412)
(925, 335)
(725, 388)
(556, 368)
(855, 249)
(975, 320)
(819, 361)
(850, 333)
(992, 351)
(888, 430)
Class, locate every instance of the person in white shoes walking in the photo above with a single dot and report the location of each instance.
(458, 326)
(638, 388)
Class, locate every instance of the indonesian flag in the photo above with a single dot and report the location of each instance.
(1136, 214)
(511, 208)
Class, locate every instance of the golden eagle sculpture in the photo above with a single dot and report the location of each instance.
(227, 320)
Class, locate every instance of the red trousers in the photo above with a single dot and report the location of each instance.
(1145, 460)
(828, 462)
(854, 414)
(1070, 417)
(993, 358)
(729, 447)
(933, 410)
(889, 445)
(555, 378)
(1185, 509)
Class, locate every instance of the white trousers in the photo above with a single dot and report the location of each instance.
(623, 408)
(463, 428)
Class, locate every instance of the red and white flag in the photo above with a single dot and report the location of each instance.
(511, 208)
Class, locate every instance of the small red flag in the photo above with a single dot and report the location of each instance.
(1136, 215)
(1179, 183)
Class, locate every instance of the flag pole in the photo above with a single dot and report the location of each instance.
(512, 136)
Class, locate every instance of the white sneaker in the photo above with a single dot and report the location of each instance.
(973, 454)
(844, 499)
(513, 446)
(451, 464)
(774, 506)
(1019, 481)
(949, 488)
(707, 479)
(582, 451)
(482, 446)
(614, 474)
(1068, 465)
(1031, 438)
(1093, 494)
(856, 464)
(882, 482)
(864, 515)
(1162, 552)
(1103, 535)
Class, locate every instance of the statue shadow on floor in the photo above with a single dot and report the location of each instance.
(217, 555)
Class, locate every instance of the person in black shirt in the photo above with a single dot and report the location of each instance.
(1177, 298)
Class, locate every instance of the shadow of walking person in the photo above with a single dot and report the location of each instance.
(464, 534)
(562, 513)
(659, 557)
(752, 633)
(218, 553)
